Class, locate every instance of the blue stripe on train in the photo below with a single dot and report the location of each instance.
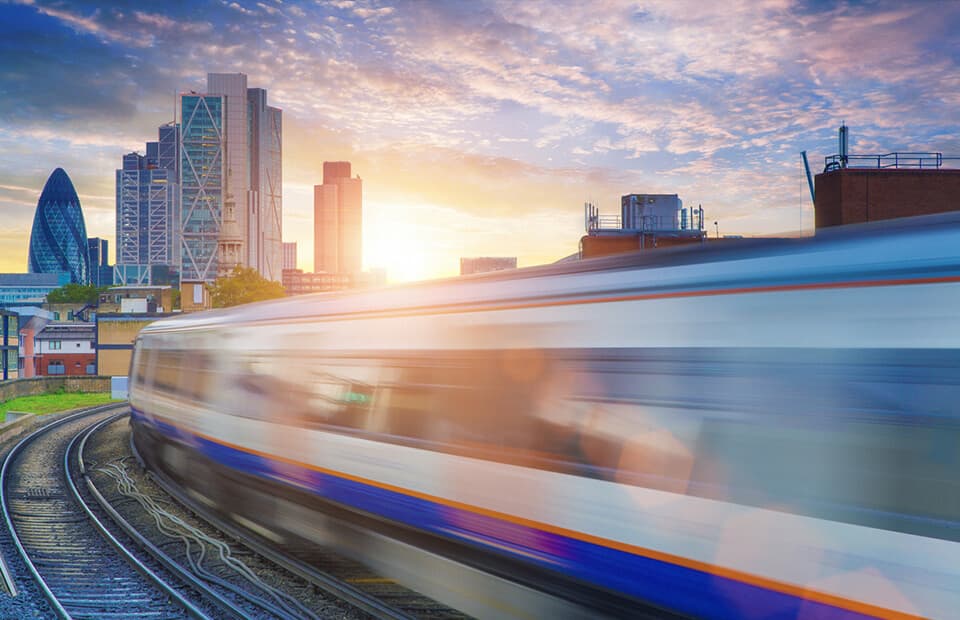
(671, 586)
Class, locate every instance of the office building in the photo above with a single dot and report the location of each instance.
(483, 264)
(58, 241)
(338, 220)
(17, 289)
(289, 255)
(148, 213)
(101, 272)
(231, 175)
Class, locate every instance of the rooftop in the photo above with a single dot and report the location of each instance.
(67, 331)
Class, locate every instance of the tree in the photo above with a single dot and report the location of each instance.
(243, 286)
(73, 293)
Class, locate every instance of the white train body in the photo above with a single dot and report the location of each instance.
(772, 432)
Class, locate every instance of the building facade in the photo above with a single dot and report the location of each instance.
(338, 220)
(58, 241)
(484, 264)
(65, 349)
(230, 182)
(9, 345)
(857, 195)
(296, 282)
(651, 212)
(101, 272)
(19, 288)
(148, 212)
(289, 255)
(115, 336)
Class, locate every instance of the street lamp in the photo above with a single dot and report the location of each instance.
(717, 226)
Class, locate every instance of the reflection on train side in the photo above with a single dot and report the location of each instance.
(812, 432)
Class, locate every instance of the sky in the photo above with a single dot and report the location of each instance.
(481, 127)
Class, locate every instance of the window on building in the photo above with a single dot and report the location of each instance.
(91, 368)
(56, 367)
(55, 345)
(56, 316)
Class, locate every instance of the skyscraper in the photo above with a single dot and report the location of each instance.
(101, 273)
(58, 241)
(338, 220)
(148, 213)
(231, 198)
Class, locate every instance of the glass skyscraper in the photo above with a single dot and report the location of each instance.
(148, 214)
(230, 177)
(101, 273)
(201, 185)
(58, 241)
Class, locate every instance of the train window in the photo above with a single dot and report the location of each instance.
(196, 375)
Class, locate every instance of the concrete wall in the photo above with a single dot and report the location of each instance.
(854, 195)
(45, 385)
(115, 336)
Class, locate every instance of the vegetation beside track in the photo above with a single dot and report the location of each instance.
(52, 403)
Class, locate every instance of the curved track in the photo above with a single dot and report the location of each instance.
(81, 573)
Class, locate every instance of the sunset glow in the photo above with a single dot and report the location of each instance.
(481, 128)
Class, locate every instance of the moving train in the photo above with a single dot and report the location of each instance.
(759, 429)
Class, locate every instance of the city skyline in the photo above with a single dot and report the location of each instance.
(482, 128)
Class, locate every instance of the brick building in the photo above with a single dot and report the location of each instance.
(65, 349)
(856, 195)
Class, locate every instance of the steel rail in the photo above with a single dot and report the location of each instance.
(169, 563)
(180, 600)
(5, 476)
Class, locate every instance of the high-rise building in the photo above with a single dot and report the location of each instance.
(289, 255)
(58, 241)
(231, 198)
(338, 220)
(148, 212)
(101, 273)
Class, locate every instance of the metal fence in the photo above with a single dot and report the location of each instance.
(913, 161)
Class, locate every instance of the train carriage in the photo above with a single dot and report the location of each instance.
(768, 429)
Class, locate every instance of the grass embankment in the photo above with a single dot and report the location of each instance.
(51, 403)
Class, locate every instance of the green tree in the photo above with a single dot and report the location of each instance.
(243, 286)
(73, 293)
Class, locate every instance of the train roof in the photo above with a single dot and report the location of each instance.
(514, 283)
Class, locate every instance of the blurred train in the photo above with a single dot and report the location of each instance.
(755, 430)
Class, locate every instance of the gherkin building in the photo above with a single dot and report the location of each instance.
(58, 242)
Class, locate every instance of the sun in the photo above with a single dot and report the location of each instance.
(401, 246)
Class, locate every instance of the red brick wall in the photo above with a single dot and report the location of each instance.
(70, 362)
(592, 246)
(852, 196)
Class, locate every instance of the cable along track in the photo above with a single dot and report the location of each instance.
(82, 572)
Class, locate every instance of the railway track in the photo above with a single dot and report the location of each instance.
(95, 543)
(81, 573)
(341, 578)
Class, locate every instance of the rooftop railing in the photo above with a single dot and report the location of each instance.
(913, 161)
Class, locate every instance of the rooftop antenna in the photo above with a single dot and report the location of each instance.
(843, 144)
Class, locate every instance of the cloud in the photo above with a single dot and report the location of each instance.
(495, 109)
